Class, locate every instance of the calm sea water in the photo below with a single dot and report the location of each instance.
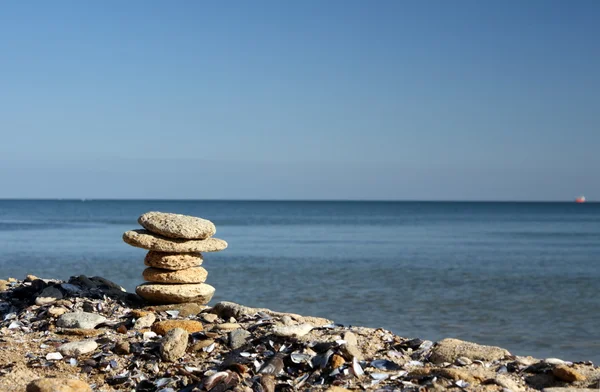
(524, 276)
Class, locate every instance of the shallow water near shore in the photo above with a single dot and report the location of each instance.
(523, 276)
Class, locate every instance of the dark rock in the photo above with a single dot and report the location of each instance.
(122, 348)
(237, 338)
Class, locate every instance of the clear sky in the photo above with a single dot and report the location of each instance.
(427, 100)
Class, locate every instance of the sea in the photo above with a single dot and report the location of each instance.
(522, 276)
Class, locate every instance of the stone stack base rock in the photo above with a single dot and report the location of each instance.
(175, 243)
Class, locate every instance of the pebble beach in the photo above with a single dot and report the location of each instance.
(88, 334)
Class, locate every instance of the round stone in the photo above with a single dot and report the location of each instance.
(177, 225)
(190, 275)
(147, 240)
(172, 261)
(175, 293)
(58, 385)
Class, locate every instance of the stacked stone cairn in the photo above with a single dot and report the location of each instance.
(175, 243)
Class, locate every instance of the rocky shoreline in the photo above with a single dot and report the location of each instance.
(88, 334)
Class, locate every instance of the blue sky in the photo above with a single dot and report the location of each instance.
(427, 100)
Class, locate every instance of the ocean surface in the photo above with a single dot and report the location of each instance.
(523, 276)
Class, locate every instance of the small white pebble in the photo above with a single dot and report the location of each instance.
(54, 356)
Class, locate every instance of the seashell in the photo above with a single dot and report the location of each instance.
(331, 326)
(415, 363)
(298, 357)
(461, 384)
(248, 355)
(215, 379)
(379, 376)
(321, 347)
(239, 368)
(399, 374)
(426, 345)
(273, 366)
(257, 365)
(15, 325)
(394, 353)
(10, 316)
(356, 368)
(192, 369)
(163, 381)
(73, 362)
(384, 364)
(209, 348)
(301, 380)
(172, 313)
(409, 384)
(412, 343)
(321, 360)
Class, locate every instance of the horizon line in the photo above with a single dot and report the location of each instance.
(298, 200)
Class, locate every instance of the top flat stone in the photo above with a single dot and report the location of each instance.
(148, 240)
(177, 225)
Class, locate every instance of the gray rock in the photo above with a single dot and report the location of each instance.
(227, 309)
(448, 350)
(70, 288)
(145, 321)
(295, 331)
(56, 311)
(508, 383)
(173, 345)
(175, 293)
(351, 351)
(177, 225)
(350, 338)
(209, 317)
(73, 349)
(568, 389)
(48, 296)
(172, 261)
(103, 282)
(188, 275)
(526, 361)
(237, 338)
(147, 240)
(82, 320)
(57, 385)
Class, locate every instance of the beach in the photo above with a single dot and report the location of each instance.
(90, 330)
